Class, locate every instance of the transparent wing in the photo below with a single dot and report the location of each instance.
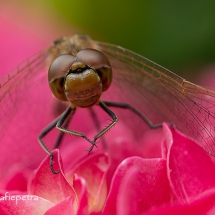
(163, 96)
(21, 92)
(27, 106)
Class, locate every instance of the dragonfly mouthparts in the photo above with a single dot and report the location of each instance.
(85, 97)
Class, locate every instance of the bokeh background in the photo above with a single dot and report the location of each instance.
(179, 35)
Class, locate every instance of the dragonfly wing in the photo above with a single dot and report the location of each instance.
(162, 95)
(22, 117)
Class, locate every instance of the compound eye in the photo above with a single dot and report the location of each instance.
(100, 63)
(56, 75)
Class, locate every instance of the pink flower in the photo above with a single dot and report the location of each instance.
(181, 179)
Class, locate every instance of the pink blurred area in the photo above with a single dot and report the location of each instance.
(207, 77)
(24, 30)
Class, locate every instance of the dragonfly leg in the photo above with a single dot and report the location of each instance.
(127, 106)
(98, 127)
(51, 164)
(64, 119)
(114, 118)
(57, 143)
(43, 145)
(61, 135)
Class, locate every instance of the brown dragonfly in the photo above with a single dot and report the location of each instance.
(123, 79)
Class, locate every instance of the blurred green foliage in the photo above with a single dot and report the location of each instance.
(175, 34)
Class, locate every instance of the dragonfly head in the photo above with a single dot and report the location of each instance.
(80, 79)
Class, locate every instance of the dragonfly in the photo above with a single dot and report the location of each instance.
(154, 93)
(80, 77)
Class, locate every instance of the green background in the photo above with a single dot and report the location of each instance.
(179, 35)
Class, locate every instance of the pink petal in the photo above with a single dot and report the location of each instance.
(150, 145)
(75, 152)
(80, 187)
(16, 181)
(53, 187)
(93, 169)
(23, 204)
(63, 208)
(203, 205)
(122, 144)
(138, 185)
(190, 169)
